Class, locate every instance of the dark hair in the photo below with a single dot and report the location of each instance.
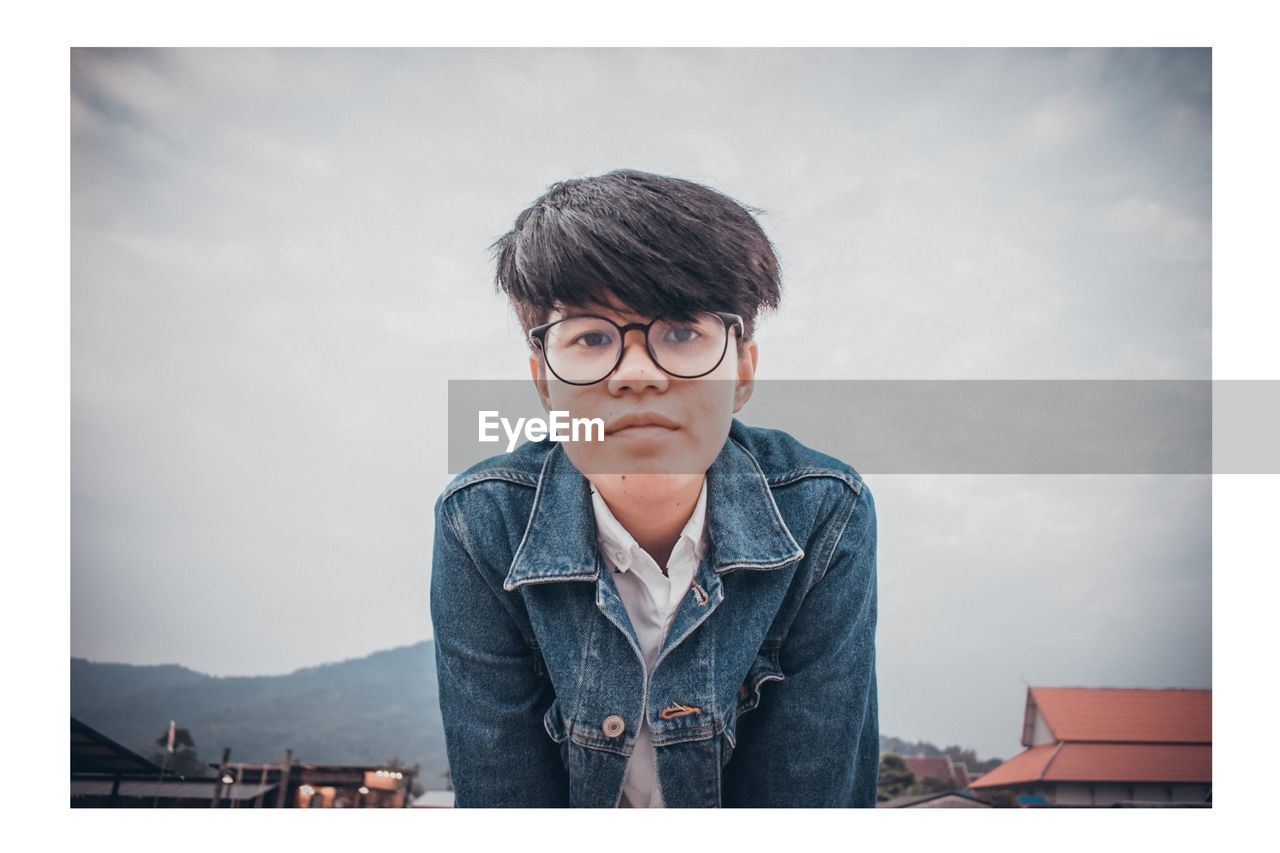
(659, 245)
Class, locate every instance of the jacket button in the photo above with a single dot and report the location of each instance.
(613, 725)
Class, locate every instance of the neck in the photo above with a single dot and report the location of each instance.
(653, 508)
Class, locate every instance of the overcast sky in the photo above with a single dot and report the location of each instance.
(279, 259)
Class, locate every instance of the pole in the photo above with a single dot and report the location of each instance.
(163, 764)
(222, 769)
(235, 803)
(262, 786)
(286, 778)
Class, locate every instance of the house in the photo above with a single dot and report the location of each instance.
(939, 767)
(1101, 746)
(105, 773)
(938, 800)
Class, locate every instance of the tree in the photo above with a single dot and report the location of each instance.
(895, 777)
(970, 758)
(183, 762)
(931, 785)
(1000, 798)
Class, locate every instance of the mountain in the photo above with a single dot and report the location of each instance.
(361, 711)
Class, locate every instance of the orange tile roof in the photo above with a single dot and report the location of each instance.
(1131, 762)
(1026, 766)
(1144, 716)
(1104, 762)
(1115, 735)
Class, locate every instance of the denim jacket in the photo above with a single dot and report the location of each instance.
(764, 692)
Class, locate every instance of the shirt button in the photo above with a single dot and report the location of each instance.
(613, 725)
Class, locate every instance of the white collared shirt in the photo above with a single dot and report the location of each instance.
(651, 599)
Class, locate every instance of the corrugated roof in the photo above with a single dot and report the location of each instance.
(94, 752)
(182, 790)
(943, 800)
(1133, 715)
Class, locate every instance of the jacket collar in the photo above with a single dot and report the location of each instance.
(745, 527)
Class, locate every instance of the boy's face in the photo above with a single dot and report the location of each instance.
(678, 425)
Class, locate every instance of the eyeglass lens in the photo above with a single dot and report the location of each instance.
(585, 349)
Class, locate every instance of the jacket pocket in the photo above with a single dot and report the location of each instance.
(728, 740)
(764, 668)
(553, 722)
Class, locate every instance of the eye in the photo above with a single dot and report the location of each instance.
(681, 334)
(593, 340)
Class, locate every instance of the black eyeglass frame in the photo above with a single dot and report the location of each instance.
(538, 334)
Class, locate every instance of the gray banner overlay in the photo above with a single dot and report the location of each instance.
(948, 426)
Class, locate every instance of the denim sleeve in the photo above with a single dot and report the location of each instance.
(814, 740)
(491, 697)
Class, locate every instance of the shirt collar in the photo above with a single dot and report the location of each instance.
(620, 547)
(741, 521)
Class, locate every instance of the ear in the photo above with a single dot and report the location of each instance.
(746, 374)
(538, 369)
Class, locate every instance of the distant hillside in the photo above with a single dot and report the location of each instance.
(361, 711)
(365, 710)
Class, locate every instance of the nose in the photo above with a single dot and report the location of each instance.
(636, 371)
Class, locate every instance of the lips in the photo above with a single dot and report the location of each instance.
(648, 421)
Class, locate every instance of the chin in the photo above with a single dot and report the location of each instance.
(652, 460)
(643, 458)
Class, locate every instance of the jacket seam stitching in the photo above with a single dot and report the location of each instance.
(853, 505)
(497, 592)
(588, 743)
(552, 579)
(533, 510)
(509, 475)
(760, 565)
(572, 722)
(777, 513)
(790, 477)
(701, 733)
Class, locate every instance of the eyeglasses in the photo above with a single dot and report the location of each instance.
(585, 349)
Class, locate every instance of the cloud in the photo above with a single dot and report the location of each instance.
(279, 259)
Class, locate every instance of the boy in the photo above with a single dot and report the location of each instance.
(607, 614)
